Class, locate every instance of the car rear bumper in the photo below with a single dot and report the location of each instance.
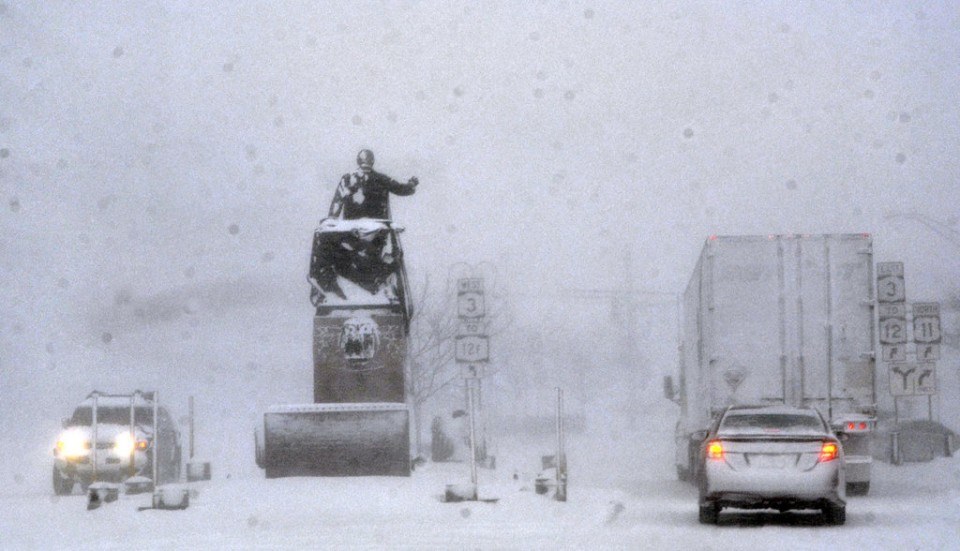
(773, 487)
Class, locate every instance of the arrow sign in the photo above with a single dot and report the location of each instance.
(893, 353)
(928, 352)
(926, 380)
(903, 380)
(471, 371)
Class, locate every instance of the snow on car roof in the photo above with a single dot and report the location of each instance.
(778, 408)
(115, 400)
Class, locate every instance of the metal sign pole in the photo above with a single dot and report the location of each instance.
(133, 434)
(473, 434)
(561, 462)
(156, 437)
(191, 426)
(96, 403)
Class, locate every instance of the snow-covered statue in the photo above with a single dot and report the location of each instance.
(356, 257)
(365, 193)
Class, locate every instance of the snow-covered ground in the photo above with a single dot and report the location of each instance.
(915, 506)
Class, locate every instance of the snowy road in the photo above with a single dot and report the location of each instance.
(910, 507)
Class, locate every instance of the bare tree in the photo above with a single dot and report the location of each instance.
(431, 347)
(430, 351)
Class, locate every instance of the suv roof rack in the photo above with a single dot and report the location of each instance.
(139, 397)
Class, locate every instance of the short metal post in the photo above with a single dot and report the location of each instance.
(948, 445)
(473, 435)
(561, 462)
(93, 446)
(190, 402)
(156, 437)
(131, 469)
(895, 456)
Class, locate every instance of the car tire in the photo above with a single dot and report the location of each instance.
(858, 488)
(835, 515)
(62, 486)
(709, 513)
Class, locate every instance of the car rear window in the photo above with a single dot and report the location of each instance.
(770, 423)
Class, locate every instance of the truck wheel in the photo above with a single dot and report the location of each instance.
(61, 486)
(835, 515)
(858, 488)
(709, 512)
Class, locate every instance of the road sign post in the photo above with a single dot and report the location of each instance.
(927, 335)
(471, 352)
(892, 325)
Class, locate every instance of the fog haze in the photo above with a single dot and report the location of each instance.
(163, 165)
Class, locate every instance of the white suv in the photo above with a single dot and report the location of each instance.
(110, 437)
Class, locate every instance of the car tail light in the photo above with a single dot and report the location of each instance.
(715, 450)
(141, 444)
(829, 451)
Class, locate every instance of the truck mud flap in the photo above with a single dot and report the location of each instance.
(359, 439)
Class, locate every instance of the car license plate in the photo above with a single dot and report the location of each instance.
(771, 461)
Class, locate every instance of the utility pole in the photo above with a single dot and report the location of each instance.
(625, 305)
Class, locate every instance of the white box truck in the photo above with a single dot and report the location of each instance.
(780, 319)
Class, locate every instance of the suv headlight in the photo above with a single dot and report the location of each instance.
(73, 443)
(125, 444)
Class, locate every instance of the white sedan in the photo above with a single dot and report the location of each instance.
(772, 457)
